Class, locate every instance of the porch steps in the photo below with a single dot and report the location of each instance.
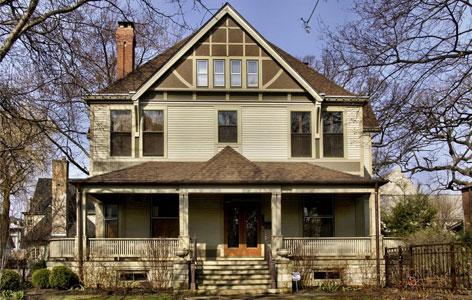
(231, 276)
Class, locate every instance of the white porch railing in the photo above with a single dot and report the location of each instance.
(156, 248)
(328, 246)
(62, 248)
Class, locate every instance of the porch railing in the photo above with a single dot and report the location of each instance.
(62, 248)
(155, 248)
(328, 246)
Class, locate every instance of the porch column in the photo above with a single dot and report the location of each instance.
(184, 239)
(78, 230)
(372, 224)
(99, 219)
(84, 226)
(276, 220)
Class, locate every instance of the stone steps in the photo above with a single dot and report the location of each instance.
(230, 276)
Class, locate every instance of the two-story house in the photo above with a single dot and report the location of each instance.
(227, 144)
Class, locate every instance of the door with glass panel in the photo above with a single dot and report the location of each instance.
(242, 229)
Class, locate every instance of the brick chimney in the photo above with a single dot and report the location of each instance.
(60, 177)
(125, 43)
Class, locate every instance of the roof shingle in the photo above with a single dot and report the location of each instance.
(227, 167)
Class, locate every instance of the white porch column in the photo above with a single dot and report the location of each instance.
(276, 220)
(99, 219)
(372, 222)
(84, 226)
(184, 239)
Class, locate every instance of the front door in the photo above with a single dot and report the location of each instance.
(242, 229)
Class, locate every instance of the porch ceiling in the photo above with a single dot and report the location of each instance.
(228, 167)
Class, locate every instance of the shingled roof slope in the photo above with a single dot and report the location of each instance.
(227, 167)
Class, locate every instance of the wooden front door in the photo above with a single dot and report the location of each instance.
(242, 229)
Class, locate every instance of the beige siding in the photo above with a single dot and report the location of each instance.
(345, 216)
(135, 219)
(206, 222)
(354, 132)
(191, 132)
(264, 132)
(367, 145)
(100, 129)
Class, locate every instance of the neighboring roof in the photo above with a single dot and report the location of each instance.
(40, 203)
(41, 232)
(369, 119)
(227, 167)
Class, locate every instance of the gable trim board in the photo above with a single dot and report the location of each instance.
(227, 9)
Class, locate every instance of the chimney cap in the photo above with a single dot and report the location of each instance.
(125, 24)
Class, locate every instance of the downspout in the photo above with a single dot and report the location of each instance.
(377, 233)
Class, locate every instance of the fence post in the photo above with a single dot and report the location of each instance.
(453, 266)
(387, 274)
(400, 265)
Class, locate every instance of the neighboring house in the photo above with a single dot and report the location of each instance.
(38, 217)
(16, 232)
(226, 141)
(399, 186)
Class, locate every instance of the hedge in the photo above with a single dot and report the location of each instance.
(40, 278)
(62, 278)
(10, 280)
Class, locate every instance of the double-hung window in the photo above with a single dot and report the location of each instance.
(120, 136)
(165, 216)
(252, 73)
(153, 133)
(236, 72)
(202, 72)
(301, 134)
(111, 220)
(219, 73)
(333, 138)
(318, 216)
(228, 126)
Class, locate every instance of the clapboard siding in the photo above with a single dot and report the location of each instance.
(265, 133)
(100, 132)
(367, 140)
(191, 132)
(354, 132)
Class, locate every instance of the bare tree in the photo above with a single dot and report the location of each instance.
(23, 151)
(413, 58)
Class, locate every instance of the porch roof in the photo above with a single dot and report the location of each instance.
(228, 167)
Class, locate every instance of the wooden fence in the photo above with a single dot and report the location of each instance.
(441, 266)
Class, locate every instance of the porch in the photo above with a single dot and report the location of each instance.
(132, 226)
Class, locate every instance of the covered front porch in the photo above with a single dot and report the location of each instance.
(224, 222)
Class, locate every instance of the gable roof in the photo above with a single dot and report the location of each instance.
(146, 73)
(227, 167)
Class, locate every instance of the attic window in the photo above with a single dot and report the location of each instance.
(218, 72)
(236, 72)
(202, 72)
(252, 73)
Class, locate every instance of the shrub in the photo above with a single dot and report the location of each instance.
(36, 265)
(40, 278)
(62, 278)
(10, 280)
(432, 235)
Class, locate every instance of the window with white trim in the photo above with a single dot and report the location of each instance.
(219, 72)
(202, 72)
(236, 72)
(252, 73)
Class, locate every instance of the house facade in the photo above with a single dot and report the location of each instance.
(225, 155)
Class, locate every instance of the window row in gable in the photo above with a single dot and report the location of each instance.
(300, 123)
(219, 69)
